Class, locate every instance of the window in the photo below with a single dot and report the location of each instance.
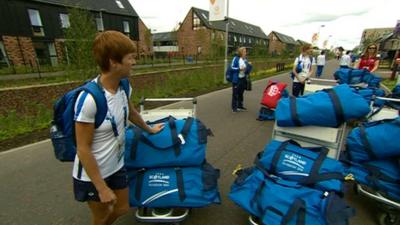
(36, 22)
(64, 18)
(119, 3)
(34, 16)
(3, 56)
(126, 27)
(250, 40)
(235, 38)
(240, 39)
(197, 22)
(52, 54)
(212, 36)
(99, 24)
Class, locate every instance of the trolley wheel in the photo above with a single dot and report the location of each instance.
(389, 219)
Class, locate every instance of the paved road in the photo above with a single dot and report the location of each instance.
(36, 189)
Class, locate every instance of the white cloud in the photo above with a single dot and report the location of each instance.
(343, 19)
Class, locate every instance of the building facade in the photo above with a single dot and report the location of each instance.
(281, 43)
(197, 36)
(32, 31)
(373, 35)
(165, 44)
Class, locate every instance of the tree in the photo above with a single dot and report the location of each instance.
(79, 41)
(217, 49)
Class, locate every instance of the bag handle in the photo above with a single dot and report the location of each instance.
(365, 142)
(298, 208)
(337, 106)
(293, 111)
(177, 139)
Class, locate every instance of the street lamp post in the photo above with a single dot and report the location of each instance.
(226, 40)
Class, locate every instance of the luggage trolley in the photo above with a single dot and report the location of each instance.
(164, 215)
(317, 84)
(314, 136)
(391, 209)
(311, 136)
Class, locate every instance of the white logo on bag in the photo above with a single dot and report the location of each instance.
(274, 90)
(159, 180)
(294, 161)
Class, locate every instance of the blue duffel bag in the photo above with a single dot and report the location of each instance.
(243, 189)
(308, 166)
(277, 201)
(327, 108)
(356, 76)
(287, 202)
(382, 176)
(374, 140)
(369, 94)
(187, 187)
(181, 143)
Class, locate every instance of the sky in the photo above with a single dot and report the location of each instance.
(341, 22)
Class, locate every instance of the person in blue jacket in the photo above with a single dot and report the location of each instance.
(239, 83)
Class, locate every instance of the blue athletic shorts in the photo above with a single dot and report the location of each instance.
(86, 191)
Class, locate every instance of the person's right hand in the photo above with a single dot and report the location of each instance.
(107, 195)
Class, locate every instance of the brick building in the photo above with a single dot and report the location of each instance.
(33, 30)
(280, 43)
(145, 43)
(197, 36)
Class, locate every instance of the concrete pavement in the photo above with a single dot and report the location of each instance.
(37, 189)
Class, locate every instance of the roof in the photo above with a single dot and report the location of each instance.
(165, 36)
(301, 42)
(120, 7)
(235, 26)
(285, 38)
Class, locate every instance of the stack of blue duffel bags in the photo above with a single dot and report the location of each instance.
(373, 156)
(169, 169)
(371, 83)
(372, 152)
(292, 185)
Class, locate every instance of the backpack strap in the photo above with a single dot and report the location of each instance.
(101, 102)
(125, 86)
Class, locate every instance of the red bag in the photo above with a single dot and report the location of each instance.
(272, 94)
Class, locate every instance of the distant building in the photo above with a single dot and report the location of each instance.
(280, 42)
(32, 30)
(301, 42)
(197, 36)
(165, 43)
(145, 42)
(373, 35)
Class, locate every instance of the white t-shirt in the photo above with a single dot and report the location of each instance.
(306, 63)
(321, 60)
(242, 66)
(106, 148)
(345, 60)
